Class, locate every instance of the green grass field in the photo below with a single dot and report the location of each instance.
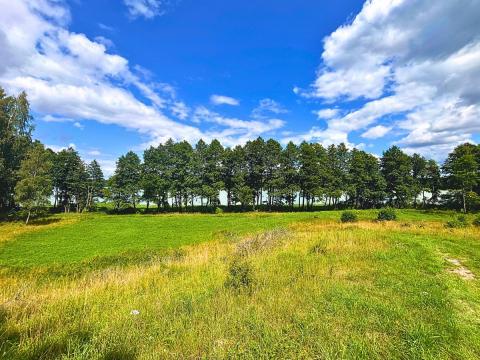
(290, 285)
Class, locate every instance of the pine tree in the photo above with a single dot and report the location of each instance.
(309, 173)
(255, 160)
(462, 171)
(289, 168)
(241, 193)
(273, 180)
(366, 185)
(95, 183)
(431, 182)
(213, 173)
(419, 165)
(69, 179)
(397, 170)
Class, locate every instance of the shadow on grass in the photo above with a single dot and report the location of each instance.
(44, 221)
(78, 341)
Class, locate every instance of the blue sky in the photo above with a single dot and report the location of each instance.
(111, 76)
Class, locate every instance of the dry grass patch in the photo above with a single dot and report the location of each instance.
(10, 230)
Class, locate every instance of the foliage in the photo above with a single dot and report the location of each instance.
(348, 216)
(476, 221)
(240, 275)
(462, 169)
(387, 214)
(397, 171)
(34, 187)
(460, 222)
(127, 179)
(15, 140)
(259, 175)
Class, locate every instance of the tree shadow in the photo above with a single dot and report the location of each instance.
(44, 221)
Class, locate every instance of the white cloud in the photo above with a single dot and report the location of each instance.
(224, 100)
(398, 59)
(104, 41)
(327, 113)
(106, 27)
(78, 125)
(146, 8)
(52, 118)
(266, 107)
(58, 148)
(69, 77)
(94, 153)
(236, 131)
(180, 110)
(376, 132)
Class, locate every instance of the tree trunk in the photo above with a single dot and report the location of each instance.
(28, 217)
(464, 202)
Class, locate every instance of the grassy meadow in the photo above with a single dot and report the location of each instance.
(258, 285)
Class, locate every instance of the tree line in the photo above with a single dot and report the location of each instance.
(261, 173)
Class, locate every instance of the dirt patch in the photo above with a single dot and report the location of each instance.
(460, 270)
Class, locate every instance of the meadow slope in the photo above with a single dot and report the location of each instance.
(241, 285)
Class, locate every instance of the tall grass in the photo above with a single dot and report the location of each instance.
(375, 290)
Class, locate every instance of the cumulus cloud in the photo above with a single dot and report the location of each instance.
(376, 132)
(418, 60)
(224, 100)
(69, 77)
(327, 113)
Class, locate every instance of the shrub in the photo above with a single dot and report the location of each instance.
(348, 216)
(459, 222)
(240, 276)
(218, 210)
(387, 214)
(476, 221)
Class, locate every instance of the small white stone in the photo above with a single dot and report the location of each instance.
(135, 312)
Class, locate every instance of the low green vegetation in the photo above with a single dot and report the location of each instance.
(476, 221)
(94, 236)
(387, 214)
(254, 285)
(459, 222)
(348, 216)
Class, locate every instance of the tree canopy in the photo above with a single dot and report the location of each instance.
(261, 173)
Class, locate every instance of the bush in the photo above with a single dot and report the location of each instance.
(460, 222)
(218, 210)
(240, 276)
(387, 214)
(348, 216)
(476, 221)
